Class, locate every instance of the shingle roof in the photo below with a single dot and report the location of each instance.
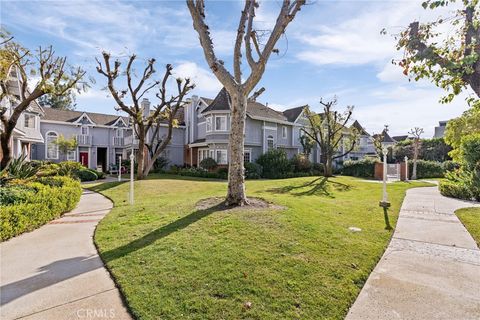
(293, 113)
(400, 138)
(386, 137)
(72, 116)
(360, 129)
(254, 109)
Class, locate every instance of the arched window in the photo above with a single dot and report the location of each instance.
(270, 142)
(51, 146)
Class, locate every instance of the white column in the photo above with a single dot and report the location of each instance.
(120, 169)
(406, 168)
(385, 196)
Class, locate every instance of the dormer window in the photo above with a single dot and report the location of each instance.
(29, 120)
(84, 130)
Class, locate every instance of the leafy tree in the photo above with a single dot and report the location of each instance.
(249, 42)
(329, 130)
(56, 78)
(61, 102)
(468, 123)
(65, 145)
(307, 144)
(450, 60)
(165, 110)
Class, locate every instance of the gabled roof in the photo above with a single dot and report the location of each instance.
(14, 89)
(72, 116)
(293, 113)
(386, 137)
(360, 129)
(400, 138)
(254, 109)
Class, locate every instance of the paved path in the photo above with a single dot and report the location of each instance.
(55, 272)
(430, 270)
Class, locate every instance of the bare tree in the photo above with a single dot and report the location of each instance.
(237, 86)
(416, 133)
(56, 78)
(329, 130)
(165, 110)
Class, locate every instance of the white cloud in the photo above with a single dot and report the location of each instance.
(204, 80)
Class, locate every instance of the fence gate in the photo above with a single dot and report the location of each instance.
(393, 171)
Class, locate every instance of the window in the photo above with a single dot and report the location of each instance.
(203, 153)
(209, 124)
(220, 123)
(52, 147)
(247, 157)
(71, 155)
(29, 120)
(270, 142)
(221, 156)
(84, 130)
(284, 132)
(118, 133)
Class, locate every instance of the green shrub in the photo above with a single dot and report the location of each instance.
(14, 194)
(200, 173)
(275, 164)
(159, 165)
(253, 170)
(318, 169)
(223, 172)
(100, 174)
(48, 170)
(46, 199)
(360, 168)
(455, 189)
(301, 163)
(87, 175)
(20, 168)
(427, 169)
(69, 168)
(450, 165)
(208, 164)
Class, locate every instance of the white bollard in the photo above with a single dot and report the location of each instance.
(132, 157)
(406, 168)
(120, 169)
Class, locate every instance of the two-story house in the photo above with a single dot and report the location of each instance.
(207, 124)
(27, 131)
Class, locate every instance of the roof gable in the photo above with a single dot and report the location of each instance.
(84, 119)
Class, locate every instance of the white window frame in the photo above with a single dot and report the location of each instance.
(249, 152)
(270, 138)
(25, 121)
(217, 158)
(119, 133)
(225, 123)
(81, 130)
(284, 132)
(69, 152)
(204, 153)
(208, 121)
(47, 142)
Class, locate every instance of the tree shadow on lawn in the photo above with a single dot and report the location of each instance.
(319, 186)
(104, 186)
(161, 232)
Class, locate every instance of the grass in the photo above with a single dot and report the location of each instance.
(172, 261)
(470, 218)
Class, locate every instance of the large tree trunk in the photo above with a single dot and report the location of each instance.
(415, 157)
(6, 149)
(328, 170)
(141, 153)
(236, 179)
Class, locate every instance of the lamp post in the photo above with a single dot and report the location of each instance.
(406, 168)
(119, 168)
(132, 159)
(384, 203)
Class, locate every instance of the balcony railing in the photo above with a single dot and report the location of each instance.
(118, 141)
(131, 140)
(84, 140)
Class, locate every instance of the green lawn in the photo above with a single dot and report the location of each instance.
(470, 218)
(172, 261)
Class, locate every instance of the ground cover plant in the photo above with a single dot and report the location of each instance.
(173, 261)
(470, 218)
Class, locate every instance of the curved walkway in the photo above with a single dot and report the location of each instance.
(431, 268)
(55, 272)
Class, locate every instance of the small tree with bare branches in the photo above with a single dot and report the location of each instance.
(329, 130)
(416, 133)
(165, 111)
(56, 79)
(237, 86)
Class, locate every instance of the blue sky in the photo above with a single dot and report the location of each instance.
(332, 48)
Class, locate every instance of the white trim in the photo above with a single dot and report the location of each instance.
(81, 130)
(74, 155)
(116, 121)
(84, 114)
(284, 132)
(249, 151)
(269, 128)
(46, 145)
(209, 121)
(200, 123)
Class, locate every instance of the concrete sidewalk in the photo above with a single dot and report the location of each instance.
(430, 270)
(55, 272)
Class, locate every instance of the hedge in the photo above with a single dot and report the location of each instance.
(359, 168)
(427, 169)
(455, 189)
(50, 197)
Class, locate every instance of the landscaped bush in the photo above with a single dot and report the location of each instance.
(69, 168)
(450, 165)
(87, 175)
(318, 169)
(253, 170)
(301, 163)
(159, 165)
(222, 172)
(208, 164)
(198, 172)
(275, 164)
(427, 169)
(48, 170)
(44, 199)
(14, 194)
(19, 168)
(455, 189)
(360, 168)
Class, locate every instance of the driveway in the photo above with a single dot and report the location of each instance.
(55, 272)
(431, 268)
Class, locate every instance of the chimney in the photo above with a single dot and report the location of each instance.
(145, 104)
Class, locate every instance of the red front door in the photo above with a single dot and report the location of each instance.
(84, 158)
